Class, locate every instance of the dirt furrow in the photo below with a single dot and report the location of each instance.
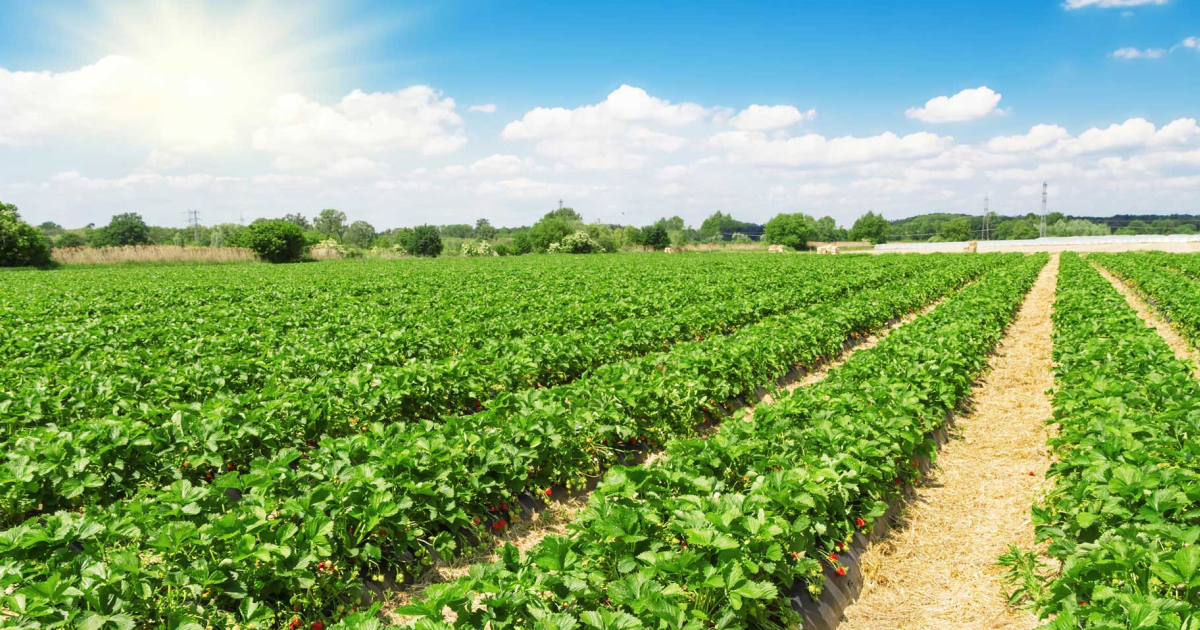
(937, 568)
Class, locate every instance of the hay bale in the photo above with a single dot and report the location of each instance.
(776, 249)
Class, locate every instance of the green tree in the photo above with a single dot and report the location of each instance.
(276, 240)
(551, 229)
(870, 227)
(484, 230)
(720, 225)
(566, 214)
(792, 230)
(425, 241)
(50, 228)
(958, 229)
(331, 223)
(69, 239)
(126, 229)
(828, 231)
(457, 230)
(1138, 226)
(21, 244)
(656, 236)
(359, 234)
(1016, 229)
(299, 220)
(521, 243)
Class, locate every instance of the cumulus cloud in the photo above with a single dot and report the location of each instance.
(163, 161)
(1139, 53)
(817, 150)
(486, 108)
(1191, 42)
(92, 98)
(967, 105)
(1039, 136)
(1071, 5)
(417, 119)
(614, 133)
(526, 188)
(767, 117)
(354, 168)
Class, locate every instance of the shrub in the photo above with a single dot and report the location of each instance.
(21, 244)
(425, 241)
(276, 241)
(578, 243)
(503, 250)
(476, 248)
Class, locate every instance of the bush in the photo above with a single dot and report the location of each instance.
(476, 248)
(425, 242)
(503, 250)
(578, 243)
(21, 244)
(276, 241)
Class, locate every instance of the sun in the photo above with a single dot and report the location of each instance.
(209, 70)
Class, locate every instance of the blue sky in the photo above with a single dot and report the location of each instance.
(403, 113)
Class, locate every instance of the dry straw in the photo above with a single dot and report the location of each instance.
(150, 253)
(937, 568)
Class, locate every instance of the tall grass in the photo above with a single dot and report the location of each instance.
(150, 253)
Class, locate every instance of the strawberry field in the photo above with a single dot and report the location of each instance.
(254, 446)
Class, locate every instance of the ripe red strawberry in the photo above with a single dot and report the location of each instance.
(841, 570)
(916, 464)
(232, 468)
(548, 492)
(503, 523)
(208, 477)
(317, 625)
(833, 556)
(897, 481)
(320, 566)
(475, 520)
(795, 555)
(858, 522)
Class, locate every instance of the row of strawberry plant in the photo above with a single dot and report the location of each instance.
(99, 460)
(301, 529)
(1174, 295)
(711, 536)
(1121, 518)
(73, 355)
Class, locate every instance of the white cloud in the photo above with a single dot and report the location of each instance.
(967, 105)
(194, 181)
(1136, 53)
(1039, 136)
(417, 118)
(354, 168)
(163, 161)
(1108, 4)
(675, 171)
(816, 189)
(614, 133)
(525, 188)
(486, 108)
(1191, 42)
(766, 117)
(816, 150)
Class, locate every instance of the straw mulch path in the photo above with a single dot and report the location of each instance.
(1179, 345)
(937, 569)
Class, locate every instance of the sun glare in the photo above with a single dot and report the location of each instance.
(209, 69)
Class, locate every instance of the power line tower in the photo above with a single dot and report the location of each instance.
(560, 206)
(194, 221)
(987, 220)
(1043, 230)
